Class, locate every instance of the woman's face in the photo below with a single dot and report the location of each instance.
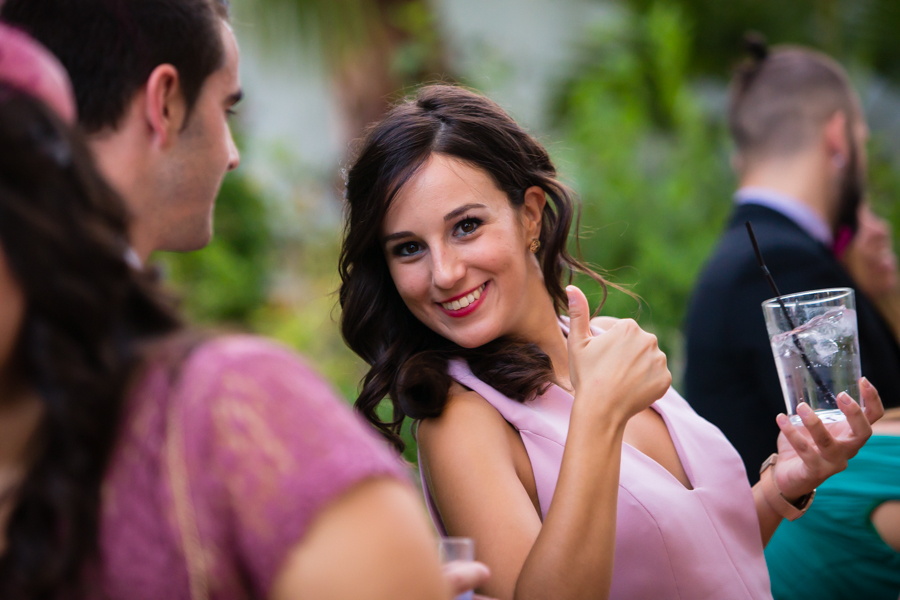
(12, 299)
(458, 252)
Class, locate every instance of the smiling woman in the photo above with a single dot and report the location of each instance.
(560, 448)
(423, 154)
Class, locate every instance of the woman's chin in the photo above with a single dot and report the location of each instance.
(469, 338)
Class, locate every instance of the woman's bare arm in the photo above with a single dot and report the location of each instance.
(471, 463)
(373, 542)
(480, 495)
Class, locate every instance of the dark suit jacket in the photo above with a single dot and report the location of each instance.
(731, 378)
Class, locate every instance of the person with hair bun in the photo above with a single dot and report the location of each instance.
(800, 155)
(559, 447)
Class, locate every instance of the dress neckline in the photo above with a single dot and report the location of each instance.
(661, 410)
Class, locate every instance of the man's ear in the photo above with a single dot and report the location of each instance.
(165, 109)
(533, 210)
(837, 143)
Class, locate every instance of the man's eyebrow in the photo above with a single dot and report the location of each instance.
(234, 98)
(464, 208)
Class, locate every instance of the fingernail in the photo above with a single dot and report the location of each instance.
(804, 410)
(781, 419)
(866, 382)
(845, 399)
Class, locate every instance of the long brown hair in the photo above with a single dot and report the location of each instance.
(88, 314)
(408, 361)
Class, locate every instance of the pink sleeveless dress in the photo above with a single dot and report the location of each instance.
(671, 542)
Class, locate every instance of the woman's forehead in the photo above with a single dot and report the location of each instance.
(440, 186)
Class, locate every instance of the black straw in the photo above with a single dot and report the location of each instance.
(762, 265)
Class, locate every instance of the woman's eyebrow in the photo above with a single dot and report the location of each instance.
(465, 207)
(448, 217)
(396, 236)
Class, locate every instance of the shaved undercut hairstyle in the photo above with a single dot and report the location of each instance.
(780, 99)
(110, 47)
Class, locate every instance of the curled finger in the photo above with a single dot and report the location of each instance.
(856, 418)
(804, 449)
(465, 575)
(830, 449)
(874, 409)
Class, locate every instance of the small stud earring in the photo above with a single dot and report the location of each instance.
(535, 246)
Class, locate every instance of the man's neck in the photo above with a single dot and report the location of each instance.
(119, 161)
(798, 179)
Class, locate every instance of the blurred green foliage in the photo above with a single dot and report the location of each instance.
(858, 31)
(227, 281)
(637, 126)
(652, 168)
(646, 141)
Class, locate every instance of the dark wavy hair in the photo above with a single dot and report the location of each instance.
(408, 361)
(63, 232)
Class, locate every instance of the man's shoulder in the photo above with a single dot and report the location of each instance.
(781, 242)
(731, 286)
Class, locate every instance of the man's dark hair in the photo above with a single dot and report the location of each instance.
(781, 98)
(110, 47)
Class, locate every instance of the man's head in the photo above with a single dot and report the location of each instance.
(794, 102)
(154, 82)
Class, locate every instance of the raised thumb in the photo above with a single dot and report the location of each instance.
(579, 314)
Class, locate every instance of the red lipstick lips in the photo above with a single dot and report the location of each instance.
(465, 310)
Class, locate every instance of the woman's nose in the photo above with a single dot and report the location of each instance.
(447, 269)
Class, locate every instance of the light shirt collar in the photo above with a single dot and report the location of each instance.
(133, 260)
(793, 209)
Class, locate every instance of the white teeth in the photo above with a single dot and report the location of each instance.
(465, 300)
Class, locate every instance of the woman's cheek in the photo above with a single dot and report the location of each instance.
(413, 283)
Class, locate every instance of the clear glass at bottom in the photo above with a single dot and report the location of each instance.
(457, 548)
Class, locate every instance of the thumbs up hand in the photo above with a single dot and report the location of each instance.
(622, 371)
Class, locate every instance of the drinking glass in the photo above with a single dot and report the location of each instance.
(816, 350)
(457, 548)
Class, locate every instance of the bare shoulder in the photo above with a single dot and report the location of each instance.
(886, 519)
(468, 423)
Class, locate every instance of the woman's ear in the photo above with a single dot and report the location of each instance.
(533, 211)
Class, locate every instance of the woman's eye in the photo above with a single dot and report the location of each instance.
(407, 249)
(468, 226)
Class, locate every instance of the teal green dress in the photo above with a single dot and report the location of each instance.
(833, 551)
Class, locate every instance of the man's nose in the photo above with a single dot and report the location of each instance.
(234, 156)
